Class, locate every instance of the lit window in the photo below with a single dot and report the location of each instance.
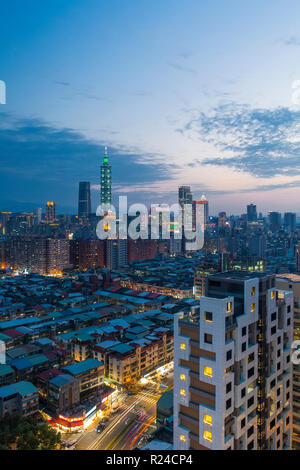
(252, 290)
(182, 392)
(182, 438)
(207, 436)
(208, 371)
(208, 317)
(252, 307)
(182, 346)
(207, 419)
(273, 294)
(229, 307)
(182, 376)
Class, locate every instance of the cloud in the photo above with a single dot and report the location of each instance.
(80, 93)
(292, 41)
(185, 55)
(262, 142)
(57, 82)
(40, 161)
(182, 68)
(257, 189)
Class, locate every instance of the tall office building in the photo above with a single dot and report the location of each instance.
(184, 195)
(232, 366)
(251, 213)
(222, 219)
(37, 212)
(290, 221)
(4, 221)
(274, 221)
(105, 180)
(204, 204)
(50, 211)
(84, 200)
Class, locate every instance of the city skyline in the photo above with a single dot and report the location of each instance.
(169, 89)
(149, 227)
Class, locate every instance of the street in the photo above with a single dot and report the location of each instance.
(129, 425)
(122, 431)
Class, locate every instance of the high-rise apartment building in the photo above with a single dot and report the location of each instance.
(37, 254)
(87, 254)
(84, 200)
(232, 366)
(200, 281)
(50, 211)
(292, 282)
(257, 246)
(115, 253)
(141, 249)
(105, 180)
(57, 255)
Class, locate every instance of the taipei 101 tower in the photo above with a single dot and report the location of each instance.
(105, 180)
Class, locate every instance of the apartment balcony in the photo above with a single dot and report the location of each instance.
(193, 374)
(252, 419)
(230, 324)
(203, 397)
(228, 438)
(191, 421)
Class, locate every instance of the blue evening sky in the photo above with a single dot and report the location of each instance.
(193, 92)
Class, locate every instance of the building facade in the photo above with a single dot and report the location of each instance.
(292, 282)
(50, 211)
(20, 397)
(232, 367)
(89, 373)
(84, 200)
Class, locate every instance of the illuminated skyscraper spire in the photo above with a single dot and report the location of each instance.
(105, 155)
(105, 180)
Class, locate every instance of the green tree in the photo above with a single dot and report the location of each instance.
(27, 434)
